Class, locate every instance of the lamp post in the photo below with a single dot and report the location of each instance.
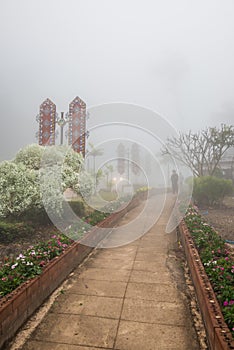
(128, 167)
(62, 121)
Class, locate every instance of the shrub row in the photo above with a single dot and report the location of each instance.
(211, 190)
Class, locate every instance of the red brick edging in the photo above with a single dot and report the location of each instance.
(218, 334)
(18, 306)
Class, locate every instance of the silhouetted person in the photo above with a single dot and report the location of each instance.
(174, 182)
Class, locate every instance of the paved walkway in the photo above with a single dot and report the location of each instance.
(126, 298)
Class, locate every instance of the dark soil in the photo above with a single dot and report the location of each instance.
(222, 218)
(223, 221)
(22, 242)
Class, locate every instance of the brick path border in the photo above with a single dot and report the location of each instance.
(218, 333)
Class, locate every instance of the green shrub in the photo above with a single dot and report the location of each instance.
(210, 190)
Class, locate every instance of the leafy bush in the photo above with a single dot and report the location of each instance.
(210, 190)
(30, 156)
(19, 189)
(34, 182)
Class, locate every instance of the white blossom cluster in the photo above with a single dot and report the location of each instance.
(19, 188)
(38, 178)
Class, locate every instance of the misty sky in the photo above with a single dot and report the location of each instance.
(174, 57)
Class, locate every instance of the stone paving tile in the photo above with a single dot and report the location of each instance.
(159, 230)
(154, 239)
(106, 274)
(153, 249)
(150, 277)
(78, 330)
(150, 265)
(125, 239)
(155, 233)
(96, 287)
(128, 249)
(88, 305)
(99, 262)
(152, 291)
(145, 336)
(40, 345)
(153, 244)
(152, 311)
(117, 254)
(144, 256)
(134, 243)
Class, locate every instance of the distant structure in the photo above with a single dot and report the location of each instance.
(77, 125)
(226, 164)
(75, 118)
(47, 119)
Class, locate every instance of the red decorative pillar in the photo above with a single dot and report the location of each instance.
(47, 123)
(77, 125)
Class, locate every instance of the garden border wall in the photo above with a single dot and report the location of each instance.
(218, 334)
(18, 306)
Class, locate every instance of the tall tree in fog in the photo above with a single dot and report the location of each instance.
(201, 151)
(94, 152)
(135, 157)
(121, 160)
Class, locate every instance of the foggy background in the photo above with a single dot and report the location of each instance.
(173, 57)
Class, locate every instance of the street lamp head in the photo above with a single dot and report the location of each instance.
(62, 121)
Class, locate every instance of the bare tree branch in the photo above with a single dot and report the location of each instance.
(201, 151)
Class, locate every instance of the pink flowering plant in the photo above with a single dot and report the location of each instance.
(14, 272)
(217, 261)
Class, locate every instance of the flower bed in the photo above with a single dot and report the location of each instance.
(27, 281)
(28, 265)
(212, 270)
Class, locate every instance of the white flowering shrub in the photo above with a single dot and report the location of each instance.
(85, 185)
(19, 189)
(38, 177)
(30, 156)
(51, 189)
(72, 167)
(66, 162)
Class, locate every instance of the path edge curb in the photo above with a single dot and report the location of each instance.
(218, 334)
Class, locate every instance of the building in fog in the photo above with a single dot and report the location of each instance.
(227, 164)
